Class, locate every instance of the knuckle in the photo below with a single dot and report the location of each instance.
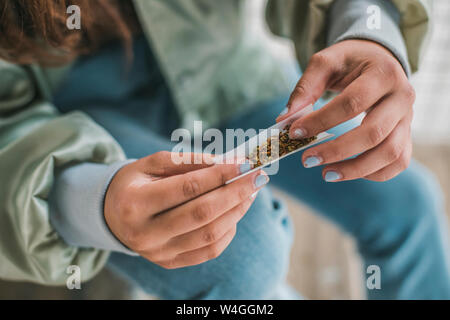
(242, 209)
(191, 187)
(135, 240)
(157, 254)
(323, 123)
(161, 264)
(375, 135)
(210, 235)
(214, 251)
(394, 151)
(391, 65)
(389, 70)
(157, 160)
(358, 171)
(168, 265)
(351, 105)
(304, 89)
(223, 176)
(243, 194)
(384, 71)
(410, 93)
(300, 89)
(394, 70)
(381, 177)
(404, 162)
(320, 59)
(202, 212)
(233, 232)
(152, 256)
(333, 153)
(161, 155)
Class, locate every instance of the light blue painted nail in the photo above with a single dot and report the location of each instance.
(312, 162)
(331, 176)
(261, 180)
(285, 111)
(245, 167)
(299, 133)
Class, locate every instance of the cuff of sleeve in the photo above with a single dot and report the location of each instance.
(76, 206)
(353, 19)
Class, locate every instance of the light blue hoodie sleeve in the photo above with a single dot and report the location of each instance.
(358, 19)
(76, 206)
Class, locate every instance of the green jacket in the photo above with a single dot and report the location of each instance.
(212, 61)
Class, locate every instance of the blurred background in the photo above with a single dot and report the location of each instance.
(325, 264)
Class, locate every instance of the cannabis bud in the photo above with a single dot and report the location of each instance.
(276, 147)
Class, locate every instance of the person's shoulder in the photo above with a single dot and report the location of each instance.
(16, 86)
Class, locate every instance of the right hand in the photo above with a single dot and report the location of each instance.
(178, 215)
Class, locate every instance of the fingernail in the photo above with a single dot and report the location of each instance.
(245, 167)
(285, 111)
(299, 133)
(254, 194)
(261, 180)
(312, 162)
(331, 176)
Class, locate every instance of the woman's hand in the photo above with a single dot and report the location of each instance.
(371, 80)
(178, 215)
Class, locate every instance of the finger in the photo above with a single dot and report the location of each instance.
(164, 163)
(371, 161)
(311, 85)
(359, 96)
(393, 169)
(375, 128)
(175, 190)
(201, 255)
(208, 207)
(210, 233)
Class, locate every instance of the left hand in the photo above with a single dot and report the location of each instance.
(370, 79)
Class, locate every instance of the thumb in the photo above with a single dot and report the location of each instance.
(311, 85)
(166, 163)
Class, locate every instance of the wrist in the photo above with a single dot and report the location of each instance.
(77, 206)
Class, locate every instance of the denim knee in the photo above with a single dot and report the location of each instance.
(422, 198)
(410, 204)
(256, 262)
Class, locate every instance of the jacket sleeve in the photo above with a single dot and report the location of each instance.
(305, 22)
(36, 143)
(348, 20)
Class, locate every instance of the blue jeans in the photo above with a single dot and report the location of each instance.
(398, 225)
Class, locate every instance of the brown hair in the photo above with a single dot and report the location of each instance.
(35, 31)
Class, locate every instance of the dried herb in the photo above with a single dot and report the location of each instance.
(263, 154)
